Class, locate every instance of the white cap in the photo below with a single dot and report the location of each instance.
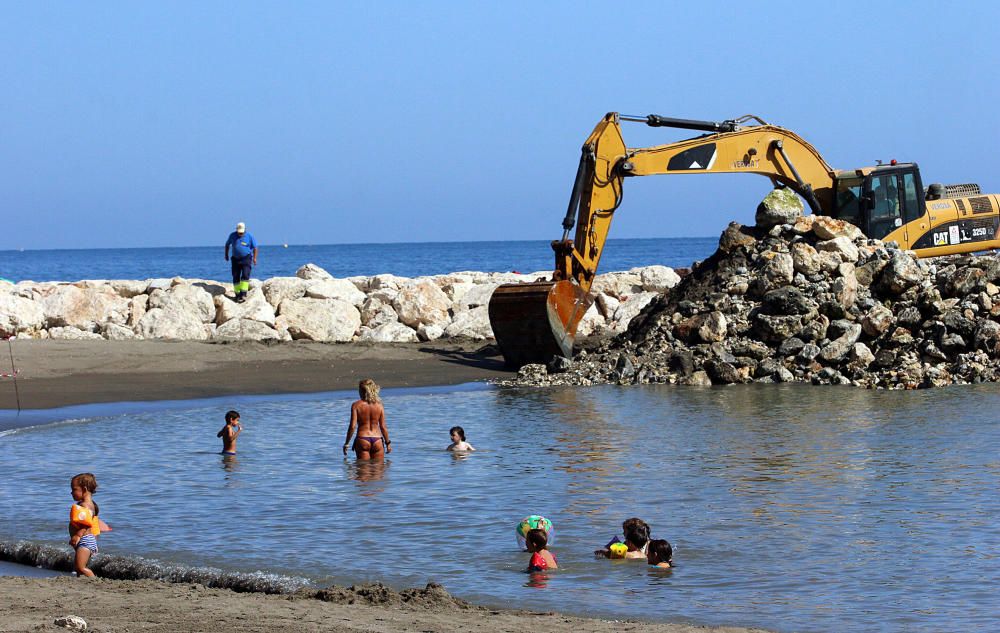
(241, 228)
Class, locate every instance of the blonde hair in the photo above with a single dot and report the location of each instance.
(368, 391)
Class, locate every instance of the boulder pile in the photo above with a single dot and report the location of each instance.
(313, 305)
(806, 299)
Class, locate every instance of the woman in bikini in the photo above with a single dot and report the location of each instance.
(368, 419)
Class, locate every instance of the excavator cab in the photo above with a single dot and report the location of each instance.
(880, 200)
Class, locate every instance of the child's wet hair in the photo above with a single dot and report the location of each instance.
(85, 481)
(660, 550)
(537, 538)
(232, 415)
(635, 531)
(459, 430)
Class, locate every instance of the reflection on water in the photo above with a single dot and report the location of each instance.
(790, 507)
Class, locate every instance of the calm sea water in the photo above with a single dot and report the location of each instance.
(340, 260)
(793, 508)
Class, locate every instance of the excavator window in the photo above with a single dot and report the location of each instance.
(912, 209)
(885, 210)
(848, 198)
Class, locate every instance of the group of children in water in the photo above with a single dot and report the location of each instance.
(635, 544)
(85, 526)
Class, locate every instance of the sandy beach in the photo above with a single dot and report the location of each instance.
(30, 604)
(61, 373)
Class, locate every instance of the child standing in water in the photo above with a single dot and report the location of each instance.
(84, 526)
(230, 432)
(458, 442)
(541, 558)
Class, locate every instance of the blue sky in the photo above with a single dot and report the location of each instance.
(163, 124)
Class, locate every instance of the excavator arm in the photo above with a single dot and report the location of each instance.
(534, 322)
(767, 150)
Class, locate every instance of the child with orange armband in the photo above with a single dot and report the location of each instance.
(84, 526)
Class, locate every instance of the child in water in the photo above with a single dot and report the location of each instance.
(659, 553)
(636, 539)
(541, 558)
(230, 432)
(458, 442)
(84, 526)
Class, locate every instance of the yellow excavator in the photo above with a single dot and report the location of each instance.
(533, 322)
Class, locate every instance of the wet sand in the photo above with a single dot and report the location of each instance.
(61, 373)
(31, 604)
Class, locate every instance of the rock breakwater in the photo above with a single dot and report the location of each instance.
(313, 305)
(806, 299)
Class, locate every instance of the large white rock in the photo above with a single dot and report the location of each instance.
(136, 309)
(618, 284)
(83, 308)
(319, 319)
(430, 332)
(129, 288)
(657, 278)
(456, 289)
(607, 305)
(628, 309)
(335, 289)
(115, 332)
(478, 295)
(376, 312)
(422, 302)
(312, 271)
(389, 333)
(6, 286)
(247, 330)
(70, 333)
(277, 289)
(173, 324)
(185, 298)
(473, 323)
(386, 281)
(593, 321)
(254, 308)
(827, 228)
(18, 314)
(841, 246)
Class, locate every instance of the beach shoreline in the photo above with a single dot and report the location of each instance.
(33, 604)
(55, 373)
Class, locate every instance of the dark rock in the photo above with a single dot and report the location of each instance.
(722, 373)
(792, 346)
(788, 300)
(559, 365)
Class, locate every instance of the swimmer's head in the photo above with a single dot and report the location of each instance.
(368, 390)
(635, 531)
(85, 481)
(457, 431)
(232, 415)
(536, 540)
(659, 551)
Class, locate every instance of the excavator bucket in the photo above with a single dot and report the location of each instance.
(535, 321)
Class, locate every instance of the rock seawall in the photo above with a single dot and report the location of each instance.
(806, 299)
(313, 305)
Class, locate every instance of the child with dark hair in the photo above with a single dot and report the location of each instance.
(541, 558)
(635, 533)
(458, 442)
(660, 553)
(230, 432)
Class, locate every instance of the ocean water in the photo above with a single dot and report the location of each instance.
(340, 260)
(794, 508)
